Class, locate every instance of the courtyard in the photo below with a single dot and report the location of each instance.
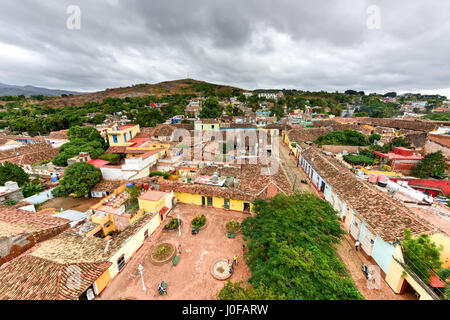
(191, 278)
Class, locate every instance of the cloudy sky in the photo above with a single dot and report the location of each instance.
(370, 45)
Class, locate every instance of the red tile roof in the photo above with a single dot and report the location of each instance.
(385, 215)
(99, 162)
(32, 278)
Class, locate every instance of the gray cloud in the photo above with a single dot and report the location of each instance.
(307, 45)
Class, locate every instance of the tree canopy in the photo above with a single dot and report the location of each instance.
(81, 139)
(343, 138)
(433, 165)
(421, 255)
(78, 179)
(211, 109)
(12, 172)
(291, 251)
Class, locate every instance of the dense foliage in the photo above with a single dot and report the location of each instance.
(211, 109)
(343, 138)
(359, 160)
(12, 172)
(421, 255)
(291, 251)
(78, 179)
(433, 165)
(31, 188)
(81, 139)
(199, 221)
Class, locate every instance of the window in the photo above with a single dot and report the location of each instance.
(226, 204)
(121, 263)
(125, 137)
(246, 207)
(115, 138)
(131, 136)
(209, 202)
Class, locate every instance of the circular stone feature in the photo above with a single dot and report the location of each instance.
(221, 270)
(162, 254)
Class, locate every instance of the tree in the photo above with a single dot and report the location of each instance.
(421, 255)
(237, 291)
(12, 172)
(291, 249)
(78, 179)
(433, 165)
(374, 137)
(343, 138)
(211, 109)
(31, 188)
(88, 133)
(360, 114)
(134, 193)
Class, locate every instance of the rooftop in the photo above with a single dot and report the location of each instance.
(153, 195)
(387, 216)
(16, 221)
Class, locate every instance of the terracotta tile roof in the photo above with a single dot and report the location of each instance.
(443, 140)
(29, 154)
(108, 185)
(252, 184)
(385, 215)
(32, 278)
(297, 135)
(340, 149)
(278, 126)
(16, 221)
(415, 125)
(117, 149)
(62, 134)
(119, 240)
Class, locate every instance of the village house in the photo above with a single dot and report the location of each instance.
(227, 187)
(29, 155)
(120, 136)
(20, 230)
(400, 159)
(370, 216)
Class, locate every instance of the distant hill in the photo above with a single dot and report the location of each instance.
(183, 86)
(27, 91)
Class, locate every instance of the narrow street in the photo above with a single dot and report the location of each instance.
(345, 250)
(295, 174)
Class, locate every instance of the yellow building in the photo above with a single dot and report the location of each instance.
(402, 281)
(120, 136)
(157, 202)
(215, 202)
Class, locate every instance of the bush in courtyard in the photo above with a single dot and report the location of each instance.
(199, 221)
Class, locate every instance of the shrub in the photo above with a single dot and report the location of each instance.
(199, 221)
(10, 202)
(359, 160)
(111, 157)
(173, 224)
(233, 226)
(165, 175)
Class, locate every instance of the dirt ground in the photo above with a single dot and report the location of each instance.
(191, 278)
(81, 204)
(295, 174)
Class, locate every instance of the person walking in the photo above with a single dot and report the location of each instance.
(235, 260)
(357, 244)
(179, 249)
(243, 249)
